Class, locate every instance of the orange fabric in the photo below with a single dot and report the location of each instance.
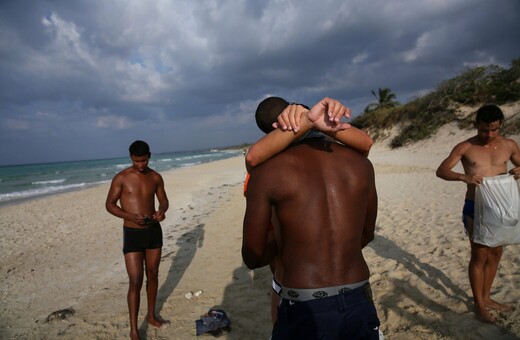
(245, 183)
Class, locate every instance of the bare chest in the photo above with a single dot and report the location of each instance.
(488, 160)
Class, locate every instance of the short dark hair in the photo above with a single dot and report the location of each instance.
(267, 112)
(139, 148)
(489, 114)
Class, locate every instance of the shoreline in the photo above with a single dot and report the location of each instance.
(32, 181)
(22, 200)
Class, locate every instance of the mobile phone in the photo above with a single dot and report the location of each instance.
(147, 220)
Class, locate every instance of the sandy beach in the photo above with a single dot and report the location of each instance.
(64, 252)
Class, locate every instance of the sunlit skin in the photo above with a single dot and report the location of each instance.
(484, 155)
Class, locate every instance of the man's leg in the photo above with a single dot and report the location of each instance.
(479, 255)
(134, 268)
(152, 260)
(490, 271)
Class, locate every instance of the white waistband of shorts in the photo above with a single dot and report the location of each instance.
(305, 294)
(276, 286)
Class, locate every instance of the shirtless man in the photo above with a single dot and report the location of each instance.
(324, 218)
(135, 188)
(294, 121)
(483, 155)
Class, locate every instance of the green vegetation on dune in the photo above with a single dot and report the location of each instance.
(422, 117)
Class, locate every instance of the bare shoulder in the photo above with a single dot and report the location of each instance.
(118, 182)
(465, 145)
(510, 142)
(156, 175)
(121, 175)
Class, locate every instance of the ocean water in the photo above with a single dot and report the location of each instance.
(23, 182)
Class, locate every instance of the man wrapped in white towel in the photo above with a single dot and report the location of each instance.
(483, 157)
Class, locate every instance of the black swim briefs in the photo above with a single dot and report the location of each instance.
(140, 239)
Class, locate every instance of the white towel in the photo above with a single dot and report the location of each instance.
(497, 209)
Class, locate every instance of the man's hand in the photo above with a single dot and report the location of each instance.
(326, 115)
(159, 216)
(290, 118)
(473, 179)
(140, 219)
(515, 172)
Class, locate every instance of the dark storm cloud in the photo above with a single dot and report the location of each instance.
(82, 79)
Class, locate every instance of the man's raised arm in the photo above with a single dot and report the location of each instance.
(295, 121)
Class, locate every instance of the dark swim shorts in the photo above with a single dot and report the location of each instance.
(468, 211)
(349, 315)
(137, 239)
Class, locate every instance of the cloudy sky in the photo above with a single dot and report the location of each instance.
(82, 79)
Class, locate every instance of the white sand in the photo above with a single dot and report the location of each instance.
(420, 255)
(64, 251)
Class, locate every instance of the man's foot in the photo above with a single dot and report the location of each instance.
(135, 336)
(491, 304)
(159, 323)
(484, 315)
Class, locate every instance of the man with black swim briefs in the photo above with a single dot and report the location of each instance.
(484, 155)
(325, 200)
(140, 239)
(135, 188)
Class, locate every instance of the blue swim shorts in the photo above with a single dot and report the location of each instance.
(468, 211)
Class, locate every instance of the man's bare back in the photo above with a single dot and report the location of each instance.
(325, 200)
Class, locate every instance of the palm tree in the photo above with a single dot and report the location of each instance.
(385, 99)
